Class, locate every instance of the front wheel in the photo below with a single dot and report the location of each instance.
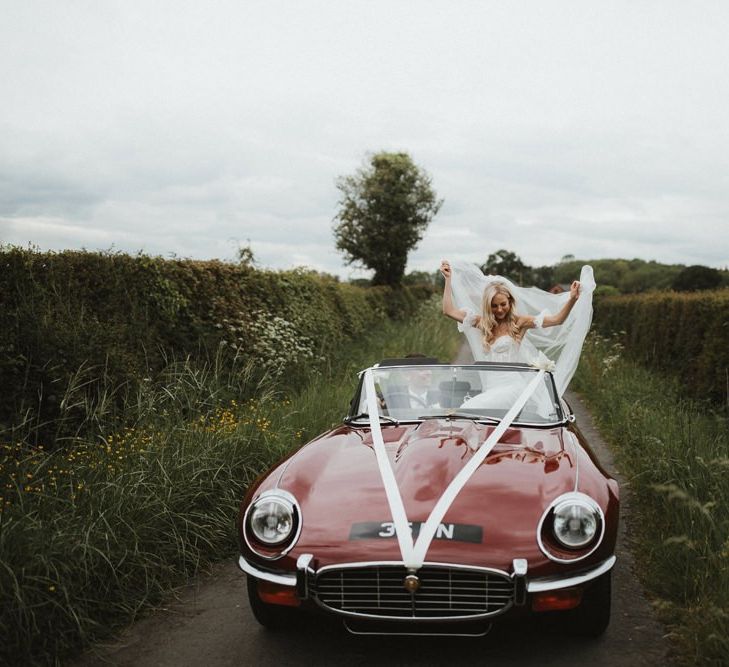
(270, 616)
(592, 617)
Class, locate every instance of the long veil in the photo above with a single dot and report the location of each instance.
(562, 344)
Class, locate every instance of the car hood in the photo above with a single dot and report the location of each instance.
(337, 483)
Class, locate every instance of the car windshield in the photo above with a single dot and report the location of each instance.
(471, 392)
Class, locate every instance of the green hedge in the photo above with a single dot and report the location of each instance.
(71, 322)
(686, 335)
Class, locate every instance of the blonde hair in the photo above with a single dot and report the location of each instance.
(488, 321)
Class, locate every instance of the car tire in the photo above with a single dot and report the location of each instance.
(270, 616)
(592, 617)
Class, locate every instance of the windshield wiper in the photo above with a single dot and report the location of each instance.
(366, 415)
(462, 415)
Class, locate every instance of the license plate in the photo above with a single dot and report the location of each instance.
(458, 532)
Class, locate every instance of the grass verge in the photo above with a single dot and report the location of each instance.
(675, 454)
(93, 534)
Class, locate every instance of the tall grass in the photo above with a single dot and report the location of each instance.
(675, 454)
(96, 532)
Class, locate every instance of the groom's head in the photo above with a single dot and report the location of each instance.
(419, 377)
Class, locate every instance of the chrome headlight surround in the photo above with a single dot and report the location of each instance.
(555, 547)
(279, 503)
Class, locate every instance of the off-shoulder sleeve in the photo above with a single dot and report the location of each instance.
(469, 320)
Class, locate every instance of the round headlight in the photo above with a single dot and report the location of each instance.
(272, 520)
(575, 523)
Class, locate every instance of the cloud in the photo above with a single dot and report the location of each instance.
(178, 128)
(59, 234)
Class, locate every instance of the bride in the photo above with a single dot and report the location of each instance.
(485, 308)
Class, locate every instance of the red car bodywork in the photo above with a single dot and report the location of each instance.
(337, 484)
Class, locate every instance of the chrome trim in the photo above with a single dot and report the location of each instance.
(405, 619)
(476, 366)
(417, 634)
(520, 567)
(303, 561)
(533, 586)
(283, 579)
(285, 495)
(377, 563)
(553, 583)
(534, 424)
(560, 499)
(416, 619)
(303, 572)
(487, 421)
(569, 415)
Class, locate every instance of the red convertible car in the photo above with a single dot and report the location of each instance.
(451, 496)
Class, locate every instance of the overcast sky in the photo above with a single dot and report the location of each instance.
(591, 128)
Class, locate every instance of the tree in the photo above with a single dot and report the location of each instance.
(697, 277)
(543, 277)
(246, 256)
(507, 264)
(605, 290)
(421, 278)
(384, 210)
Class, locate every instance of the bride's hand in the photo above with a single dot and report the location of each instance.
(575, 290)
(445, 269)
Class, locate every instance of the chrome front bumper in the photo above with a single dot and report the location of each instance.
(284, 579)
(553, 583)
(304, 573)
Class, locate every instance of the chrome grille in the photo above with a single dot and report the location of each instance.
(445, 592)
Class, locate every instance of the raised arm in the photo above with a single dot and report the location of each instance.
(553, 320)
(449, 309)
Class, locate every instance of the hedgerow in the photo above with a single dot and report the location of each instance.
(685, 335)
(126, 317)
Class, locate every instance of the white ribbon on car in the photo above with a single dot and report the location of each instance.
(394, 499)
(414, 553)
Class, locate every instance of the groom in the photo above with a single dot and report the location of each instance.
(412, 390)
(420, 391)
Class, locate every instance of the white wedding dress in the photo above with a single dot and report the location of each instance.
(562, 344)
(504, 348)
(499, 390)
